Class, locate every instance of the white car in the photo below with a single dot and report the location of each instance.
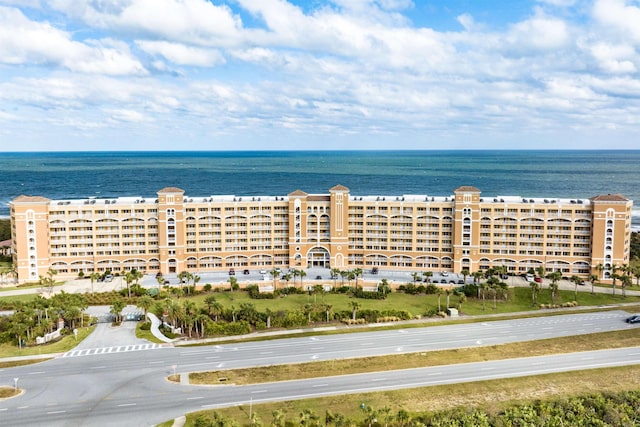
(530, 277)
(263, 271)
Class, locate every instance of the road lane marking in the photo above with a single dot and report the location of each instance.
(22, 407)
(212, 357)
(55, 412)
(195, 398)
(36, 373)
(127, 404)
(320, 385)
(98, 367)
(259, 391)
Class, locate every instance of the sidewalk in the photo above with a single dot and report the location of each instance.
(155, 328)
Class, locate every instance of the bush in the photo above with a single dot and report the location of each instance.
(145, 326)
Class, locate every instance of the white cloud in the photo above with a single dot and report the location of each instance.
(190, 21)
(181, 54)
(615, 58)
(540, 33)
(620, 17)
(23, 41)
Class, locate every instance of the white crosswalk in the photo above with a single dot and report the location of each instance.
(114, 349)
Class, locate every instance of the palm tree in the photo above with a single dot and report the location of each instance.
(355, 306)
(335, 272)
(275, 274)
(357, 272)
(576, 281)
(302, 275)
(599, 268)
(295, 273)
(145, 302)
(129, 277)
(593, 278)
(614, 276)
(555, 278)
(414, 276)
(93, 277)
(465, 272)
(482, 287)
(439, 293)
(534, 292)
(494, 284)
(116, 309)
(428, 275)
(625, 281)
(448, 292)
(541, 271)
(477, 277)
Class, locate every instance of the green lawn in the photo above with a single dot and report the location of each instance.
(519, 300)
(65, 344)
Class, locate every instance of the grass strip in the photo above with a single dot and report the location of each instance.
(598, 341)
(493, 396)
(7, 392)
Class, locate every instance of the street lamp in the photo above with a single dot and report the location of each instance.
(15, 383)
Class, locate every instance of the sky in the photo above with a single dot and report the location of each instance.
(79, 75)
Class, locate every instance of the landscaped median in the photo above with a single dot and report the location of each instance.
(599, 341)
(491, 396)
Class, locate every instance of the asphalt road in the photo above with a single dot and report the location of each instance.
(125, 385)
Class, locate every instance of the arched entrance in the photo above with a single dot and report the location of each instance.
(318, 257)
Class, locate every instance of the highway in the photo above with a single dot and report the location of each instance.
(126, 384)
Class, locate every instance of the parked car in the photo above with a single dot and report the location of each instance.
(374, 270)
(633, 319)
(538, 279)
(318, 277)
(263, 271)
(444, 273)
(529, 277)
(245, 271)
(232, 272)
(460, 282)
(108, 278)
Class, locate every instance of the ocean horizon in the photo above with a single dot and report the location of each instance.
(526, 173)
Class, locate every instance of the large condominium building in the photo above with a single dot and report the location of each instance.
(173, 232)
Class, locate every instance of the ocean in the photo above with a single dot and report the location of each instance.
(531, 173)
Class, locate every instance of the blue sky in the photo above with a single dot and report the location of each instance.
(342, 74)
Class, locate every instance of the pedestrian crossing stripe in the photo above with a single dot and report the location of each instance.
(114, 349)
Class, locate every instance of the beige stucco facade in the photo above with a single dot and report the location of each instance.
(174, 232)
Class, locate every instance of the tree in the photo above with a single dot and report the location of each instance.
(482, 287)
(415, 277)
(116, 309)
(448, 292)
(439, 293)
(275, 274)
(160, 281)
(593, 278)
(614, 276)
(555, 277)
(129, 277)
(145, 302)
(465, 273)
(357, 272)
(541, 270)
(576, 281)
(48, 281)
(477, 277)
(494, 284)
(233, 283)
(355, 306)
(534, 292)
(302, 275)
(93, 277)
(428, 275)
(335, 272)
(625, 281)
